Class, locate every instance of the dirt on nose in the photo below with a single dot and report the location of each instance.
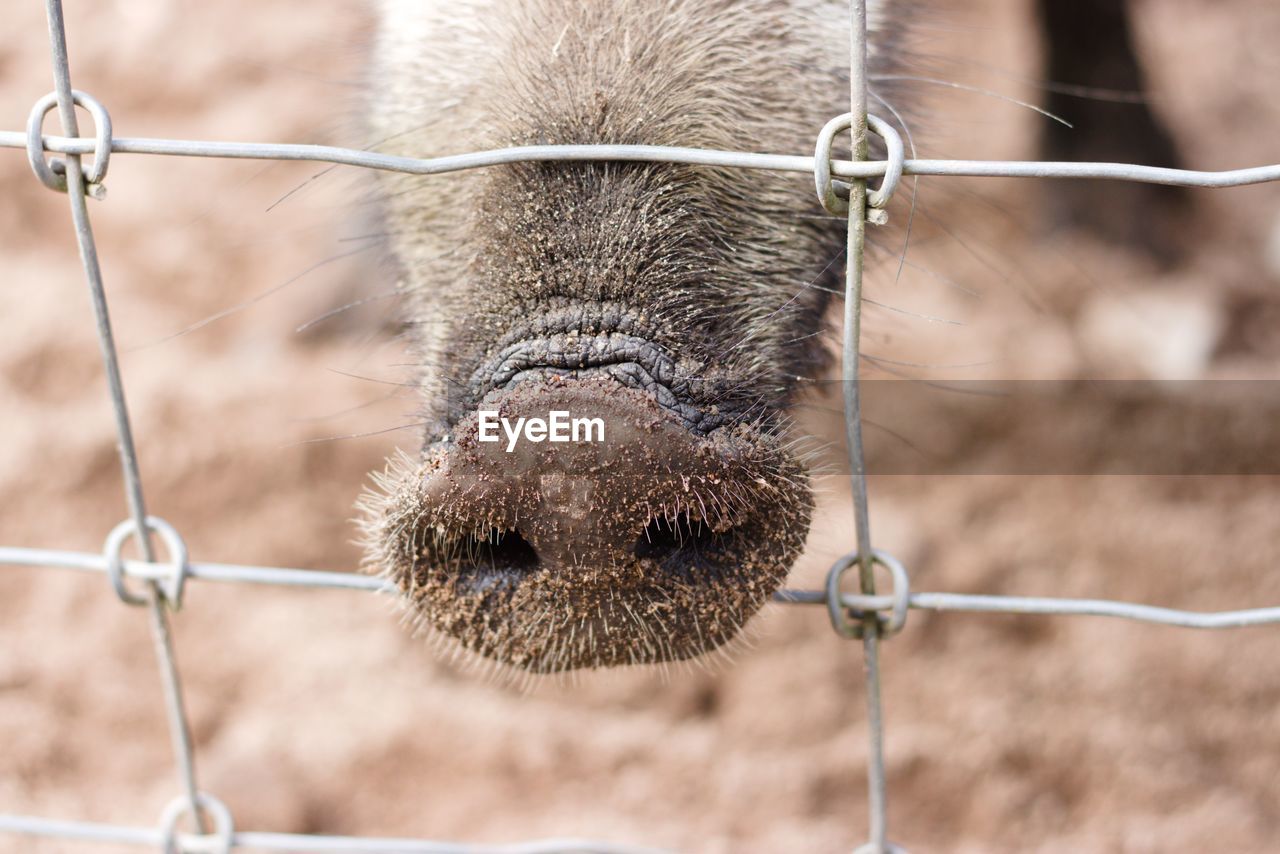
(633, 541)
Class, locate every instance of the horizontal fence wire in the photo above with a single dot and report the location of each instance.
(654, 154)
(231, 573)
(117, 834)
(866, 615)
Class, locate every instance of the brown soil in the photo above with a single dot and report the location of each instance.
(315, 712)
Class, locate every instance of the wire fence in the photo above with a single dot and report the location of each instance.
(866, 615)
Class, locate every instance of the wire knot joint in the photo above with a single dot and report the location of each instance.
(169, 586)
(53, 174)
(834, 194)
(847, 610)
(218, 842)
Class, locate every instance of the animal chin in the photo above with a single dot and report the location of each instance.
(653, 544)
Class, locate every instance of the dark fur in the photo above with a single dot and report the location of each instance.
(720, 271)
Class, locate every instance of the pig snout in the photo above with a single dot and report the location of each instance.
(587, 510)
(686, 307)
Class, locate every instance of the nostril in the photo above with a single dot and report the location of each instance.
(500, 557)
(682, 546)
(657, 547)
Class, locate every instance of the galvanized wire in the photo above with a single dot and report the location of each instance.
(155, 602)
(850, 360)
(272, 576)
(1131, 172)
(866, 614)
(305, 843)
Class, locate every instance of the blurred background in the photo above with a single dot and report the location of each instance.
(258, 415)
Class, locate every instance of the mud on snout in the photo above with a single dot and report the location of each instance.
(654, 543)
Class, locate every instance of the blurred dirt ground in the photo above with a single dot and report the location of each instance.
(314, 712)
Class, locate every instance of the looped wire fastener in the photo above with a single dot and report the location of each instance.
(833, 194)
(872, 848)
(53, 174)
(218, 842)
(170, 587)
(839, 611)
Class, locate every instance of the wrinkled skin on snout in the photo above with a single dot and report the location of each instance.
(680, 306)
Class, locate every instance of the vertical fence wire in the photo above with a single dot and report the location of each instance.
(156, 602)
(876, 798)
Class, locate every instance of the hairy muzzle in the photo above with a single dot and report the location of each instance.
(652, 542)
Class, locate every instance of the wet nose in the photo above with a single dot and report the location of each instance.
(634, 539)
(565, 475)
